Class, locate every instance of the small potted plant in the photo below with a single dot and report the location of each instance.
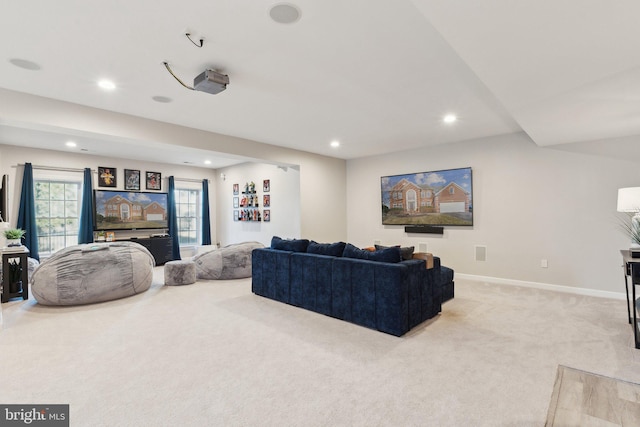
(14, 236)
(630, 225)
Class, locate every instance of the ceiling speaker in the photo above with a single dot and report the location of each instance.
(284, 13)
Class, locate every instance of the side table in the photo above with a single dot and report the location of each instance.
(632, 269)
(16, 255)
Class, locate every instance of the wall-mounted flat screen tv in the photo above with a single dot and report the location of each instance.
(438, 198)
(129, 210)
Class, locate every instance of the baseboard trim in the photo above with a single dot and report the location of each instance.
(546, 286)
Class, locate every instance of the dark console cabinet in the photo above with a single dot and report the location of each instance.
(160, 247)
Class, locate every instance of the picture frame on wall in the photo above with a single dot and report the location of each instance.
(154, 180)
(236, 215)
(131, 179)
(236, 189)
(266, 185)
(235, 202)
(435, 198)
(266, 217)
(266, 200)
(107, 176)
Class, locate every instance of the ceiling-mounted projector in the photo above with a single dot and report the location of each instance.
(211, 81)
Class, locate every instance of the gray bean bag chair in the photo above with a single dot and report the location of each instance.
(93, 272)
(230, 262)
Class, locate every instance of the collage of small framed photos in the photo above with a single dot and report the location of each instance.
(266, 199)
(246, 203)
(108, 177)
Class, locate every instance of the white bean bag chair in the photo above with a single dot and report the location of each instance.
(93, 272)
(230, 262)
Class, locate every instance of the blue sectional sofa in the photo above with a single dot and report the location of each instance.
(443, 277)
(391, 297)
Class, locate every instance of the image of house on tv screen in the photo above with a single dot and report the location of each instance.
(124, 210)
(438, 198)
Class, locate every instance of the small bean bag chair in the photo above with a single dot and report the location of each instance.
(94, 272)
(230, 262)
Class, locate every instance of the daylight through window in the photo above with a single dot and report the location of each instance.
(188, 202)
(57, 214)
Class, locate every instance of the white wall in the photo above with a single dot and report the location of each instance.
(11, 156)
(530, 203)
(285, 203)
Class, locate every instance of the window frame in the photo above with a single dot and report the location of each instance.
(69, 239)
(198, 216)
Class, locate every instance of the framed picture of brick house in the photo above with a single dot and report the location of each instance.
(437, 198)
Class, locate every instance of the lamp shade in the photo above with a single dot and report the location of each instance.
(629, 199)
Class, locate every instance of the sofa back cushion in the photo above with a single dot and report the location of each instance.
(384, 255)
(331, 249)
(406, 252)
(291, 245)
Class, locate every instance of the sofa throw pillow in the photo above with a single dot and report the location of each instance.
(391, 254)
(351, 251)
(384, 255)
(406, 252)
(291, 245)
(331, 249)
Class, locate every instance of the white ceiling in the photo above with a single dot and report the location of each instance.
(377, 75)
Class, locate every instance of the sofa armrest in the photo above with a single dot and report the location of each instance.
(270, 273)
(436, 262)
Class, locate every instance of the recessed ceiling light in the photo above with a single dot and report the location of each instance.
(285, 13)
(107, 84)
(449, 118)
(207, 162)
(335, 144)
(70, 144)
(25, 64)
(162, 99)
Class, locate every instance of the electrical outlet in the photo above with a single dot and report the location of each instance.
(377, 242)
(544, 263)
(422, 247)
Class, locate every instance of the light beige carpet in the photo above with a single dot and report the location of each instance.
(212, 353)
(584, 399)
